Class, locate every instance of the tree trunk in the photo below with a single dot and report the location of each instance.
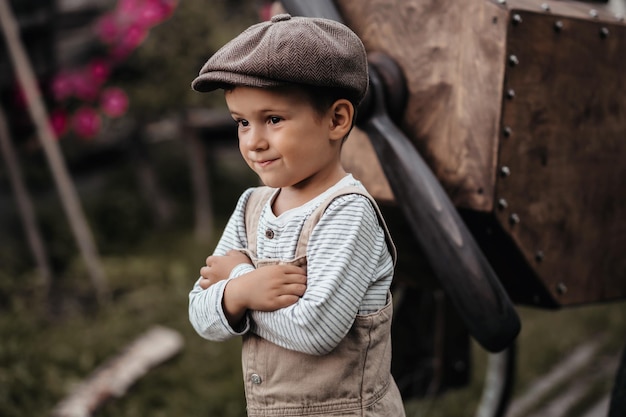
(201, 188)
(25, 205)
(148, 182)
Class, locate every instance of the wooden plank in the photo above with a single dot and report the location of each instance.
(452, 54)
(565, 155)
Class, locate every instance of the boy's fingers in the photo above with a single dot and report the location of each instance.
(287, 300)
(299, 289)
(204, 272)
(293, 269)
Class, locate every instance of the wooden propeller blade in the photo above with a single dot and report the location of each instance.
(462, 269)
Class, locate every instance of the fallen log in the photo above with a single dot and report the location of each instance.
(113, 378)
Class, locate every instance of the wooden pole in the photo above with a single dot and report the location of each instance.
(201, 185)
(47, 138)
(25, 205)
(114, 377)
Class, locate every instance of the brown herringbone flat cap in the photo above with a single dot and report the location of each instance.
(285, 50)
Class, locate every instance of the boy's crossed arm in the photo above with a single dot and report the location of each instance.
(264, 289)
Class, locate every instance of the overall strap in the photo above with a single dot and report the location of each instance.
(314, 218)
(254, 207)
(261, 195)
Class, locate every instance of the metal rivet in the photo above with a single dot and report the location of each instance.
(558, 26)
(256, 379)
(517, 19)
(539, 256)
(513, 61)
(513, 219)
(502, 1)
(507, 131)
(269, 233)
(502, 204)
(593, 13)
(561, 288)
(510, 94)
(604, 33)
(545, 7)
(505, 171)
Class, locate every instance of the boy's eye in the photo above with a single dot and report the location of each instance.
(242, 122)
(274, 120)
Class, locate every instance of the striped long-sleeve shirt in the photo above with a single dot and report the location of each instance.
(349, 271)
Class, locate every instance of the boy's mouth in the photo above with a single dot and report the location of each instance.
(264, 163)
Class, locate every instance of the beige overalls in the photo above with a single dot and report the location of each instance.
(352, 380)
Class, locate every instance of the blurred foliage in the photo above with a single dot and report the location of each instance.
(158, 75)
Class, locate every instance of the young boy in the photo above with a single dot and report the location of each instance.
(304, 266)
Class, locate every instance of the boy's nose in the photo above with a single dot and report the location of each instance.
(255, 139)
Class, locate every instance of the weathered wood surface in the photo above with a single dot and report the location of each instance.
(114, 377)
(561, 137)
(565, 154)
(359, 158)
(452, 54)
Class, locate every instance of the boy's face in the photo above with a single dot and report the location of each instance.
(284, 140)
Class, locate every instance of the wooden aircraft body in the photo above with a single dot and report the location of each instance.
(519, 109)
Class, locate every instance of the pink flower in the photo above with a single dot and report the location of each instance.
(107, 28)
(86, 122)
(151, 13)
(131, 39)
(85, 86)
(129, 7)
(99, 70)
(134, 35)
(114, 102)
(265, 11)
(62, 86)
(58, 121)
(168, 8)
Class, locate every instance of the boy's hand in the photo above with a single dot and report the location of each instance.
(265, 289)
(218, 267)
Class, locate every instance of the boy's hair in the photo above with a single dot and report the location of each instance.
(322, 98)
(308, 52)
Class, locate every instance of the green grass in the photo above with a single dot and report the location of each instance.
(45, 351)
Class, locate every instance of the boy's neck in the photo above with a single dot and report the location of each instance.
(296, 196)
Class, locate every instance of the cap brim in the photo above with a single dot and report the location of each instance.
(215, 80)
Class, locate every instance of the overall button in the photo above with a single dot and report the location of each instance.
(255, 379)
(269, 233)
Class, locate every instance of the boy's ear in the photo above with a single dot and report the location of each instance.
(342, 113)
